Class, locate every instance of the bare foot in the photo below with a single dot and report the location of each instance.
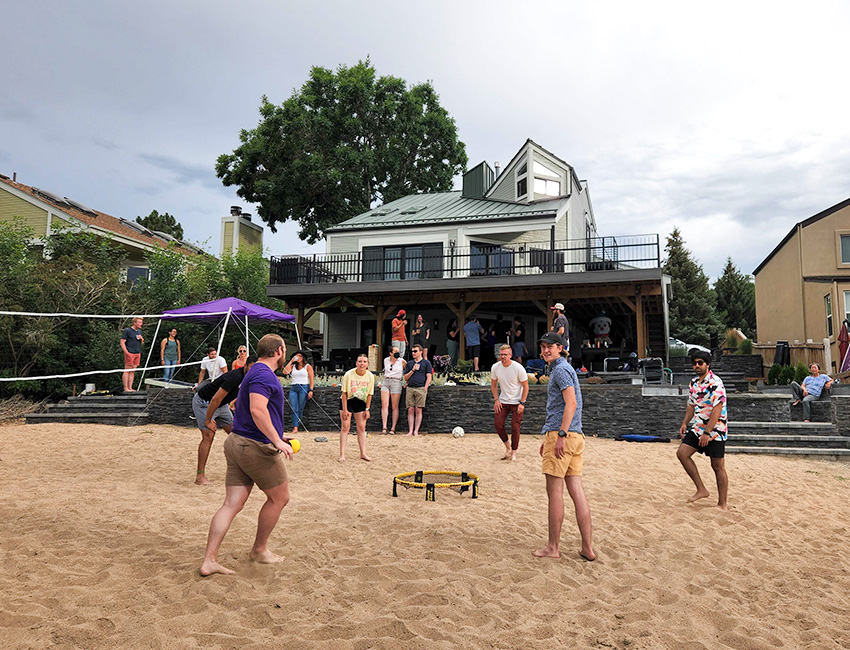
(795, 402)
(507, 456)
(723, 507)
(342, 459)
(411, 434)
(546, 551)
(266, 557)
(209, 567)
(589, 556)
(366, 458)
(513, 455)
(699, 494)
(201, 479)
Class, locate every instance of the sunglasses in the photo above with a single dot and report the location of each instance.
(698, 362)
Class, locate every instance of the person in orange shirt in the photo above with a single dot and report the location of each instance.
(399, 335)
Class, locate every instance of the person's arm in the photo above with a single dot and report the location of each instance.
(408, 375)
(223, 366)
(179, 352)
(123, 344)
(287, 369)
(311, 379)
(570, 406)
(689, 415)
(497, 405)
(162, 352)
(215, 402)
(828, 384)
(706, 436)
(428, 377)
(344, 398)
(263, 421)
(427, 333)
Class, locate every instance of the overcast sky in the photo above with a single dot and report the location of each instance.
(728, 120)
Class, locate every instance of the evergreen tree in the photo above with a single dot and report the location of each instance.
(736, 300)
(163, 223)
(693, 317)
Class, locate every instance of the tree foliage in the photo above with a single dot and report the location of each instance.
(736, 299)
(345, 140)
(692, 311)
(163, 223)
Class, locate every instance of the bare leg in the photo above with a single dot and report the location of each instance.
(395, 399)
(385, 409)
(555, 493)
(345, 427)
(234, 499)
(204, 447)
(277, 498)
(719, 467)
(684, 454)
(360, 423)
(582, 507)
(417, 420)
(410, 419)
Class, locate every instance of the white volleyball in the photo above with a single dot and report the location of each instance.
(458, 432)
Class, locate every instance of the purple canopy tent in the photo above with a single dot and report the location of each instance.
(213, 311)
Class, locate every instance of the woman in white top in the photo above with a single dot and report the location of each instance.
(391, 388)
(301, 373)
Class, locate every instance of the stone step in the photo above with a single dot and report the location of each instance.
(768, 440)
(806, 452)
(789, 428)
(90, 417)
(119, 407)
(111, 399)
(821, 411)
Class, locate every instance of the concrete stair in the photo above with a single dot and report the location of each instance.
(122, 410)
(813, 439)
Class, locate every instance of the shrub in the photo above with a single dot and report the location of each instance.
(464, 366)
(800, 372)
(787, 375)
(746, 347)
(773, 374)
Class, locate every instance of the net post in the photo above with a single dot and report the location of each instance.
(395, 487)
(418, 477)
(430, 492)
(464, 477)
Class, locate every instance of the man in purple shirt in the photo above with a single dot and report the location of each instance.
(253, 452)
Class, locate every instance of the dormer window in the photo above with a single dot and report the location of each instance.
(546, 181)
(522, 180)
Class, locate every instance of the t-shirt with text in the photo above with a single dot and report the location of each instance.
(358, 386)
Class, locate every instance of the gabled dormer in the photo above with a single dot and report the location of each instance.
(534, 174)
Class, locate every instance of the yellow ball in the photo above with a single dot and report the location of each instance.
(295, 444)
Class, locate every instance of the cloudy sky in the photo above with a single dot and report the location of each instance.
(728, 120)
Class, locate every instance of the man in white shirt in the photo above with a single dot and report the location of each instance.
(510, 399)
(213, 366)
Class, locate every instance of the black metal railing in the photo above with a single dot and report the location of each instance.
(430, 261)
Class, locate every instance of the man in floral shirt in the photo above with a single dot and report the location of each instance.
(704, 428)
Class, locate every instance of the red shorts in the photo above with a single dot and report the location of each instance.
(132, 360)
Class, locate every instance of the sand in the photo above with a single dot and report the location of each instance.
(102, 532)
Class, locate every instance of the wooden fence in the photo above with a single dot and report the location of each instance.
(807, 353)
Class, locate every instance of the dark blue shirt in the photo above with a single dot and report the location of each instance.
(561, 375)
(134, 345)
(261, 380)
(417, 379)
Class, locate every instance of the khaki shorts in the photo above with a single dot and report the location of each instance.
(416, 397)
(571, 462)
(250, 461)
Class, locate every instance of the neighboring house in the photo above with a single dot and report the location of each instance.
(513, 243)
(803, 286)
(44, 211)
(239, 232)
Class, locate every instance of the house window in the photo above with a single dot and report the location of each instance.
(546, 180)
(847, 307)
(845, 249)
(402, 262)
(521, 187)
(828, 301)
(489, 259)
(136, 273)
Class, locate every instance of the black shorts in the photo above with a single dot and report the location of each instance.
(354, 405)
(473, 351)
(714, 449)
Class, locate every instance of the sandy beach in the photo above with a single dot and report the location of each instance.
(102, 532)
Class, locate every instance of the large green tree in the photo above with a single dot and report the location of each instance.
(736, 299)
(693, 317)
(163, 223)
(344, 141)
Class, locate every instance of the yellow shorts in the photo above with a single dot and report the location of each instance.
(571, 462)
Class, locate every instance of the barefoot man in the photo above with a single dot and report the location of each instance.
(254, 453)
(704, 428)
(562, 447)
(131, 345)
(509, 399)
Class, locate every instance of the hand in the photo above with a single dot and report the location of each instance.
(416, 366)
(541, 448)
(211, 425)
(805, 392)
(497, 406)
(683, 430)
(520, 408)
(162, 362)
(285, 449)
(368, 413)
(704, 439)
(560, 447)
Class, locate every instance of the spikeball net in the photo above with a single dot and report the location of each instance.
(430, 480)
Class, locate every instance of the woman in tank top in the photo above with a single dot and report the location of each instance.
(241, 357)
(169, 353)
(391, 387)
(301, 373)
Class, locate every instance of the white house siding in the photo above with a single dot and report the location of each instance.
(343, 243)
(506, 190)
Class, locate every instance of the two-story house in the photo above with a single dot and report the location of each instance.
(803, 286)
(510, 243)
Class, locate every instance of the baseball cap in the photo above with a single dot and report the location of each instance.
(559, 305)
(401, 312)
(553, 337)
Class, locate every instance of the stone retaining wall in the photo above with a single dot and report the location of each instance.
(749, 365)
(608, 410)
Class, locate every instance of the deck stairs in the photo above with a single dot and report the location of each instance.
(122, 410)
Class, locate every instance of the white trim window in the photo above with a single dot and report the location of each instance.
(845, 248)
(827, 299)
(546, 181)
(847, 306)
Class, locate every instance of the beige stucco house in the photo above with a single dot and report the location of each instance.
(803, 286)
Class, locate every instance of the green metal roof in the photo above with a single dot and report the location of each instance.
(444, 207)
